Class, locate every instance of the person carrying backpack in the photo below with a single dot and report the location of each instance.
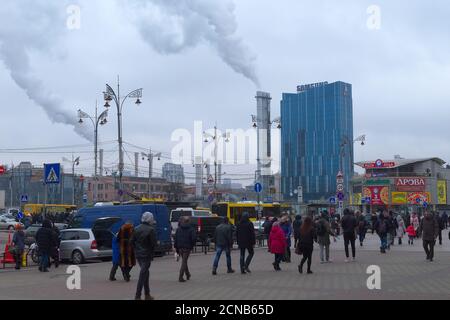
(323, 231)
(381, 227)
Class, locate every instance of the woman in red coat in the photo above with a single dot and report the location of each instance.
(277, 244)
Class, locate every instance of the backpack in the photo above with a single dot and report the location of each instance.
(321, 230)
(362, 224)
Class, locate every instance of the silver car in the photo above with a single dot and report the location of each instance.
(79, 245)
(8, 224)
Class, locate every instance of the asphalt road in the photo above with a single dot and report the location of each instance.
(405, 274)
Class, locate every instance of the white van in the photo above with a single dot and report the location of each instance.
(176, 214)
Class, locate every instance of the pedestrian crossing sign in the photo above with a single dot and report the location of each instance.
(52, 173)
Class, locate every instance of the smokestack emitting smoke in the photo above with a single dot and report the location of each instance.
(172, 26)
(31, 25)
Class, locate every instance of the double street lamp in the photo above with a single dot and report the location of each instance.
(150, 157)
(74, 162)
(109, 96)
(96, 121)
(215, 137)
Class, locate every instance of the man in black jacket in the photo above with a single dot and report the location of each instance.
(143, 241)
(430, 231)
(296, 225)
(246, 240)
(223, 238)
(349, 225)
(45, 242)
(184, 242)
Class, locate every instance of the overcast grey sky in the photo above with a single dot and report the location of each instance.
(204, 60)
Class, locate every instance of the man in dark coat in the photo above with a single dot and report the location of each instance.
(246, 241)
(381, 226)
(349, 225)
(430, 231)
(44, 241)
(441, 226)
(223, 238)
(184, 242)
(296, 225)
(144, 243)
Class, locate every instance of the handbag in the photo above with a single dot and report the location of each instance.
(12, 250)
(298, 250)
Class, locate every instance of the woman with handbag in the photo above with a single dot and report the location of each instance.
(18, 243)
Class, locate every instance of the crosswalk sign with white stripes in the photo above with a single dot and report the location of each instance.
(52, 173)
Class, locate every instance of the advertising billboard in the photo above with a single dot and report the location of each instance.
(399, 197)
(442, 191)
(378, 194)
(410, 184)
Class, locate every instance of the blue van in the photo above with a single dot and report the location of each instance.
(86, 217)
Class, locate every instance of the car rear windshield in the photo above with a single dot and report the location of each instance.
(177, 214)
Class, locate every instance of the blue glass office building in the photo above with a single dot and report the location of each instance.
(316, 122)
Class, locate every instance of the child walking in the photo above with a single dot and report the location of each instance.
(411, 234)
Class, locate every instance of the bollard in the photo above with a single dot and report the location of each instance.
(24, 259)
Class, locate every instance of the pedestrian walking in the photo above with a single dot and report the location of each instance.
(430, 230)
(286, 226)
(400, 229)
(445, 219)
(246, 241)
(362, 227)
(184, 242)
(441, 222)
(392, 229)
(127, 255)
(44, 241)
(323, 231)
(416, 224)
(306, 244)
(223, 238)
(411, 234)
(373, 218)
(381, 227)
(296, 229)
(277, 244)
(349, 226)
(143, 241)
(115, 259)
(18, 242)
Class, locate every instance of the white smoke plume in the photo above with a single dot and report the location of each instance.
(27, 26)
(172, 26)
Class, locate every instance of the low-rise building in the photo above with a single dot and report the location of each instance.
(402, 184)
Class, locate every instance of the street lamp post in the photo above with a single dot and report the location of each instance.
(216, 138)
(111, 95)
(75, 162)
(150, 157)
(96, 121)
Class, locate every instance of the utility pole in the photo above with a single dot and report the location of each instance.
(150, 157)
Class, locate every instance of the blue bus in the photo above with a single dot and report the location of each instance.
(86, 217)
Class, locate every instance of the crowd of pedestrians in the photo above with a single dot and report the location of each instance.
(131, 245)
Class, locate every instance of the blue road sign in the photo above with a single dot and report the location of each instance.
(425, 204)
(258, 187)
(332, 200)
(85, 198)
(52, 173)
(368, 200)
(20, 215)
(210, 198)
(418, 200)
(340, 196)
(24, 198)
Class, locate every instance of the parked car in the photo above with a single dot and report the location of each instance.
(8, 224)
(79, 245)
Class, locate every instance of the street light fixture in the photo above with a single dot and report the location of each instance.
(216, 138)
(96, 121)
(150, 157)
(111, 95)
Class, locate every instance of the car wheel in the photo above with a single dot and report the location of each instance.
(35, 256)
(77, 257)
(10, 228)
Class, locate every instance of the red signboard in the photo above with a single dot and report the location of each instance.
(410, 184)
(379, 195)
(379, 164)
(2, 170)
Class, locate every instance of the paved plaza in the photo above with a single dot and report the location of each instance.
(405, 274)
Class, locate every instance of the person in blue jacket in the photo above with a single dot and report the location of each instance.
(115, 258)
(286, 226)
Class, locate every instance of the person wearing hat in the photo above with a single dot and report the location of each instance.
(19, 245)
(143, 241)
